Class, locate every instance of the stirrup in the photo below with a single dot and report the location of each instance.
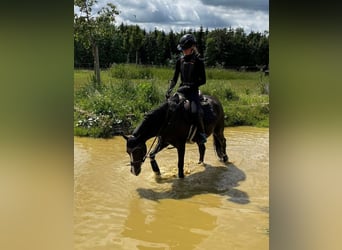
(203, 138)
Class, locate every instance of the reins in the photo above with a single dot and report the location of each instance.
(148, 152)
(155, 138)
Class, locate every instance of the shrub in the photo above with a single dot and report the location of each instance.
(102, 111)
(119, 104)
(126, 71)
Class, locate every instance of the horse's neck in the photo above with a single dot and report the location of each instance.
(152, 123)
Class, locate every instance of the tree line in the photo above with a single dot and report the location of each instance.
(221, 47)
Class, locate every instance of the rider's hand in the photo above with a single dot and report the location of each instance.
(167, 95)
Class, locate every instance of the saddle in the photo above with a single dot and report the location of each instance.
(179, 102)
(179, 99)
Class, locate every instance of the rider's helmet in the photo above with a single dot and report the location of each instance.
(186, 42)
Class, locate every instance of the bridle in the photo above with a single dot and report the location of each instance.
(148, 151)
(131, 151)
(139, 148)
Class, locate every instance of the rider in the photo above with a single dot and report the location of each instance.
(191, 68)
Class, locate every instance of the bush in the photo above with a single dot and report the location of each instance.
(251, 115)
(110, 109)
(119, 104)
(125, 71)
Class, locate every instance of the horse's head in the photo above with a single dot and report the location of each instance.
(137, 153)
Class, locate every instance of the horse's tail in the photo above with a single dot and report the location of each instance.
(220, 147)
(218, 133)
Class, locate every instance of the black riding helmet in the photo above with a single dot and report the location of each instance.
(186, 42)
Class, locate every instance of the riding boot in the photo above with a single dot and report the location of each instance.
(200, 125)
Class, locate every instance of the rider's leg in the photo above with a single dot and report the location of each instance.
(198, 115)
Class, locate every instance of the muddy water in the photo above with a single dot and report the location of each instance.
(216, 206)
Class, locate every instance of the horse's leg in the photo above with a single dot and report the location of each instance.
(181, 153)
(153, 153)
(201, 150)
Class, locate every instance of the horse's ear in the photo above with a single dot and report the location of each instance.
(125, 136)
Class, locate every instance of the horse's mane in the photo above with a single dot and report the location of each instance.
(153, 120)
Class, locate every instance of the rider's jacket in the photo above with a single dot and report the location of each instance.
(191, 70)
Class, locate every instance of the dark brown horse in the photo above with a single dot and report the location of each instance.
(171, 123)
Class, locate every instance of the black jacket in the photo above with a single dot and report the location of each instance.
(191, 69)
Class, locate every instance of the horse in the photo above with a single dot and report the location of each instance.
(172, 124)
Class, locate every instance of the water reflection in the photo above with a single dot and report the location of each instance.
(216, 206)
(167, 225)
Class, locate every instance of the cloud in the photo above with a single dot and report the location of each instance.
(257, 5)
(252, 15)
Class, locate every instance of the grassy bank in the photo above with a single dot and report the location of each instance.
(128, 91)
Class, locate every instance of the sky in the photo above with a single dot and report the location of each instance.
(251, 15)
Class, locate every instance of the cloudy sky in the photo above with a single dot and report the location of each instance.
(251, 15)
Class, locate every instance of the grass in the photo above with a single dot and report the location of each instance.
(128, 91)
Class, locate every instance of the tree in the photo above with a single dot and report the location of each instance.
(89, 27)
(136, 40)
(200, 41)
(215, 44)
(224, 47)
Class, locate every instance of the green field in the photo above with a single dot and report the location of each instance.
(127, 92)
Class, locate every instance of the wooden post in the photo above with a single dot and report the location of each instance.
(136, 57)
(97, 65)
